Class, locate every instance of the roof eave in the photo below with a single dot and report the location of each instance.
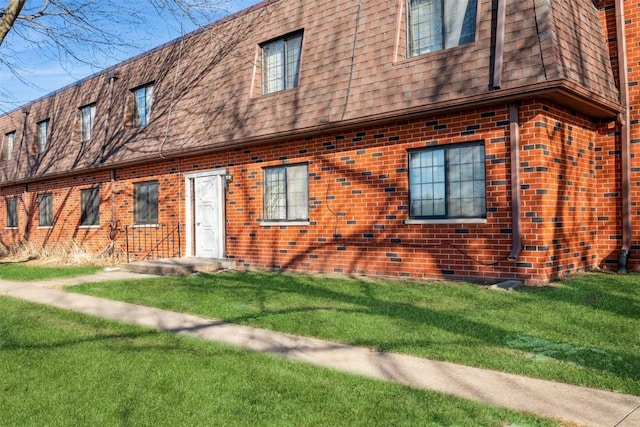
(560, 91)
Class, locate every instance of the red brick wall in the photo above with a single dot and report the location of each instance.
(570, 165)
(359, 200)
(359, 196)
(358, 189)
(559, 192)
(65, 195)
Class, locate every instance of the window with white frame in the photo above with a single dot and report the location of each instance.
(90, 206)
(440, 24)
(447, 182)
(7, 146)
(286, 193)
(281, 63)
(42, 135)
(87, 117)
(142, 101)
(12, 212)
(45, 208)
(146, 202)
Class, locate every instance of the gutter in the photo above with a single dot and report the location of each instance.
(516, 225)
(514, 131)
(625, 138)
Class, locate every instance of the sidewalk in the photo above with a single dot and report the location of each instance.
(555, 400)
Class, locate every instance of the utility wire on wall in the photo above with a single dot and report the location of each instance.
(173, 94)
(344, 110)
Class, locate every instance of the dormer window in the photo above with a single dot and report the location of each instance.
(142, 101)
(87, 117)
(42, 136)
(440, 24)
(7, 146)
(281, 63)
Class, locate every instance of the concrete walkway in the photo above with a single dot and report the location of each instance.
(569, 403)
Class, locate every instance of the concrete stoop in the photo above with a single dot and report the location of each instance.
(178, 266)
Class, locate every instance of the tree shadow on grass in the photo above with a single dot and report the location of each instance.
(14, 343)
(130, 342)
(615, 294)
(622, 364)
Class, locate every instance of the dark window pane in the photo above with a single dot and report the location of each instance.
(146, 203)
(12, 212)
(90, 200)
(45, 209)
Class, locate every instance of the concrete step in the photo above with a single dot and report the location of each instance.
(178, 266)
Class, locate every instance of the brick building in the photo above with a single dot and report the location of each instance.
(416, 138)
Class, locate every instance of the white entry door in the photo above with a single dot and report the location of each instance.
(208, 216)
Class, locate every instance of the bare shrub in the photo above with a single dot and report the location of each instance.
(62, 253)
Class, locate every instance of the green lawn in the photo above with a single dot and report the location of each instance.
(583, 331)
(61, 368)
(30, 272)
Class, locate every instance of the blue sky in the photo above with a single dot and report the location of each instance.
(43, 73)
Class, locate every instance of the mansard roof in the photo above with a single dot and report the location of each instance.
(354, 70)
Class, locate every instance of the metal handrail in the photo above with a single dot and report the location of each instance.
(156, 241)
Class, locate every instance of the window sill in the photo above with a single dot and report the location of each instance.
(12, 228)
(283, 223)
(431, 56)
(288, 90)
(145, 226)
(447, 221)
(44, 227)
(89, 226)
